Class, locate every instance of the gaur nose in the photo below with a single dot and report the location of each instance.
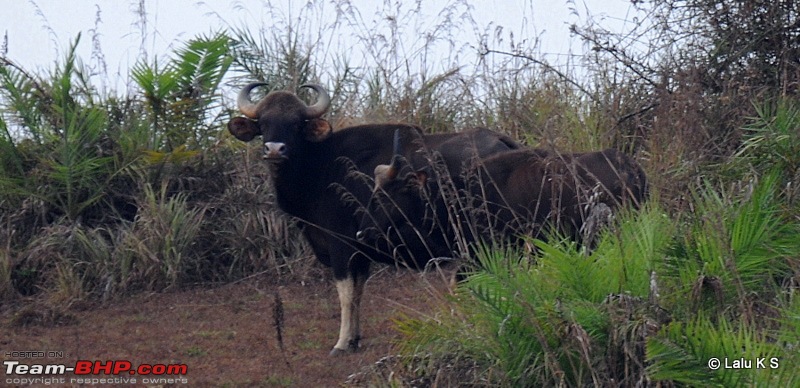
(274, 150)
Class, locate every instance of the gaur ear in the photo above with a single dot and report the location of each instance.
(318, 130)
(243, 129)
(384, 173)
(422, 176)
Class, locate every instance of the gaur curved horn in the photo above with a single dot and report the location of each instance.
(397, 154)
(247, 106)
(397, 146)
(323, 102)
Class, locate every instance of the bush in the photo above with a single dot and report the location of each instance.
(568, 316)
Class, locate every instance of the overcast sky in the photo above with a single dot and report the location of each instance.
(39, 32)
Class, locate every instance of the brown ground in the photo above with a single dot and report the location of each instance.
(225, 335)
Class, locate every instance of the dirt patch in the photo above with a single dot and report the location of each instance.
(226, 335)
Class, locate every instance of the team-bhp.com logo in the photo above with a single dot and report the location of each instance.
(89, 372)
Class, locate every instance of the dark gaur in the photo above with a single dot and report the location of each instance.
(316, 179)
(505, 195)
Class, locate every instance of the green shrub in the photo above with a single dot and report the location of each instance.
(736, 244)
(653, 302)
(551, 320)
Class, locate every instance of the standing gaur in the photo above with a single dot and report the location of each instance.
(505, 196)
(315, 172)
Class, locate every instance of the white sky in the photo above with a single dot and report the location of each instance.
(39, 32)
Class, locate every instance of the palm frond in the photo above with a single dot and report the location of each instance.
(702, 352)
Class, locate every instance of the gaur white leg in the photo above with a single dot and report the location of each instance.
(350, 292)
(346, 290)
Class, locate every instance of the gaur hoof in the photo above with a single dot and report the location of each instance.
(352, 347)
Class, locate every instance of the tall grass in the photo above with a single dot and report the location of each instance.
(104, 195)
(162, 235)
(75, 263)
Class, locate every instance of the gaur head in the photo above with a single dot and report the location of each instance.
(400, 219)
(282, 120)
